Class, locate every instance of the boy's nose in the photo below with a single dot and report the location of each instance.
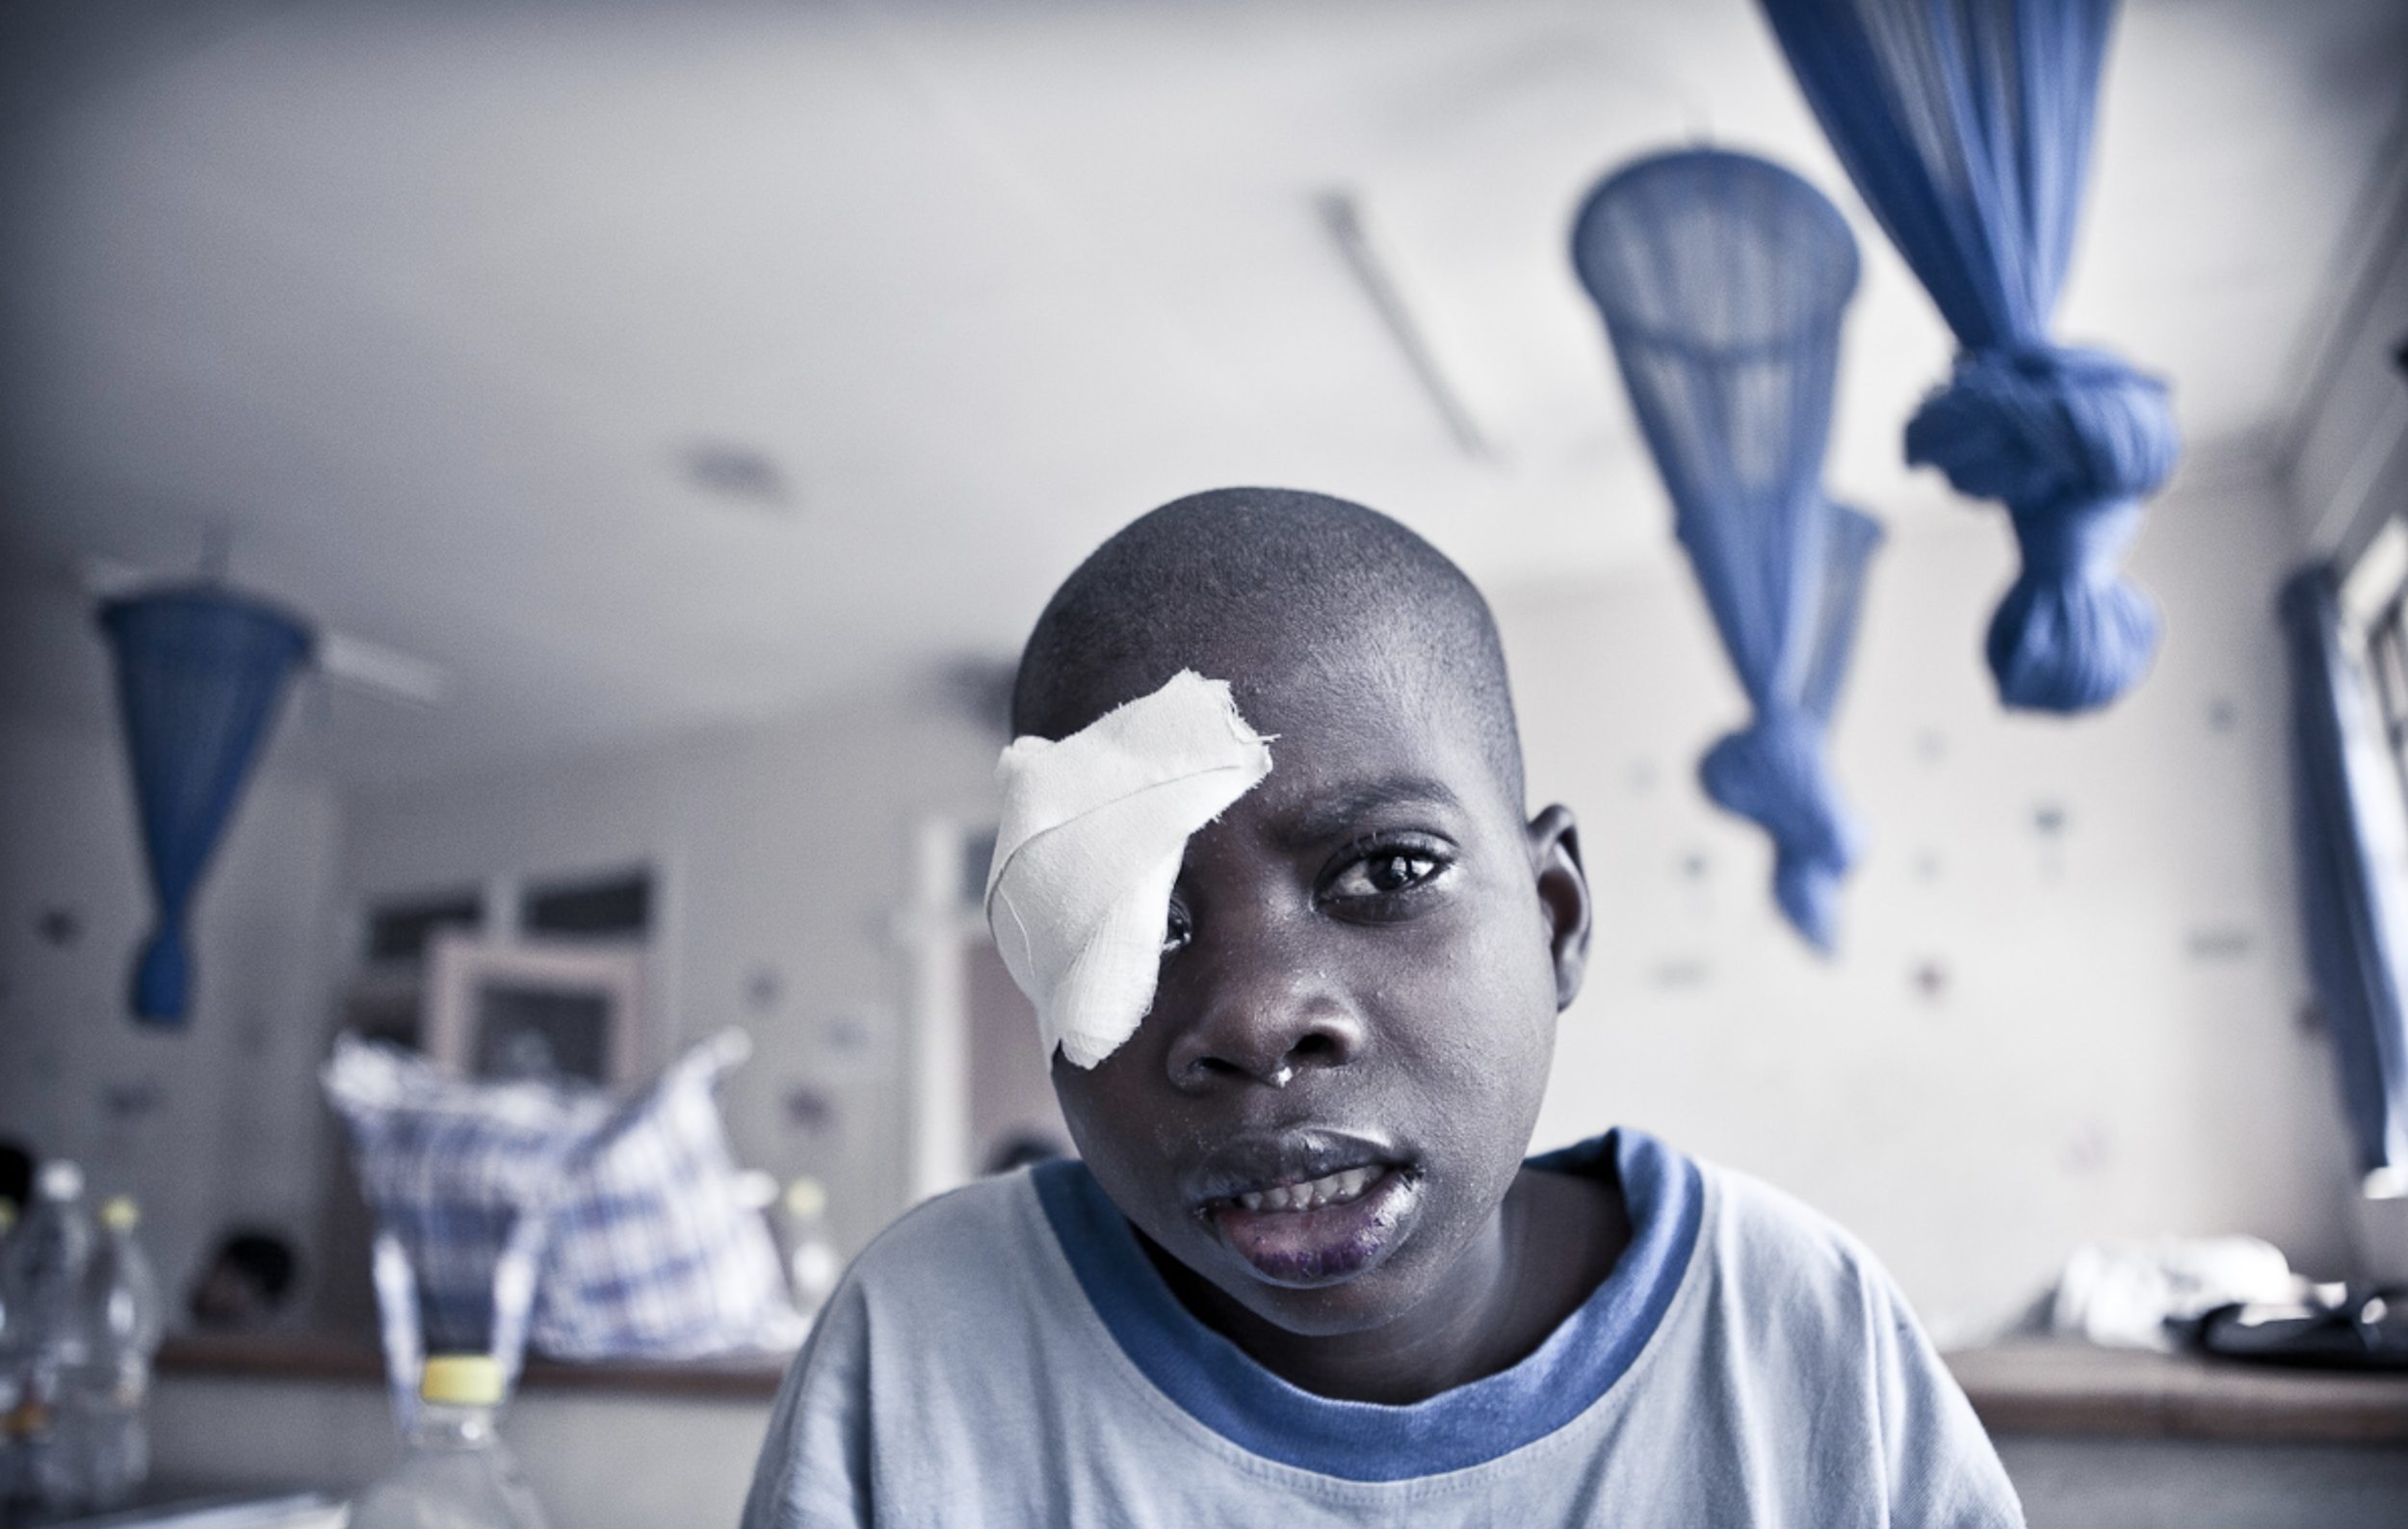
(1265, 1020)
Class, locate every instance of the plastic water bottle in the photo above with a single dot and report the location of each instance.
(457, 1475)
(125, 1320)
(814, 1266)
(49, 1342)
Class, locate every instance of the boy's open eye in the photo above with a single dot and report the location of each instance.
(1178, 928)
(1382, 870)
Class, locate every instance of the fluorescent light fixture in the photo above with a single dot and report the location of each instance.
(1342, 213)
(388, 672)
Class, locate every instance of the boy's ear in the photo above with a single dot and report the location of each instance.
(1555, 841)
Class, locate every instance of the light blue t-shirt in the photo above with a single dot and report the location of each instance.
(1007, 1355)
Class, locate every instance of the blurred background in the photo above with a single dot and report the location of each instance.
(674, 416)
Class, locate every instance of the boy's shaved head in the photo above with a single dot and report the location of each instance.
(1319, 1124)
(1323, 581)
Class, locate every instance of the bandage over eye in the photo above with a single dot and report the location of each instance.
(1094, 828)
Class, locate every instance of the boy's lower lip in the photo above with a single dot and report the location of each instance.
(1319, 1231)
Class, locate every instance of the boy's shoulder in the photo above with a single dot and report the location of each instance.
(1793, 1266)
(972, 1275)
(1724, 1238)
(1783, 1300)
(1757, 1223)
(965, 1230)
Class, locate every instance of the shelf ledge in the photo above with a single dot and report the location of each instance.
(329, 1357)
(2076, 1389)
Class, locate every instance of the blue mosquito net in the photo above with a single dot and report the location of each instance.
(199, 673)
(1966, 125)
(1722, 280)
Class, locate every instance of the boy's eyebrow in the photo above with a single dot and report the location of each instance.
(1331, 816)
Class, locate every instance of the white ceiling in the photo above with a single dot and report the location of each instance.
(428, 305)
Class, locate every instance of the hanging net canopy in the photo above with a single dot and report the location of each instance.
(1722, 280)
(199, 673)
(1966, 125)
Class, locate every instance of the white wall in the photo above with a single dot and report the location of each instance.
(2348, 470)
(209, 1124)
(2027, 1039)
(783, 858)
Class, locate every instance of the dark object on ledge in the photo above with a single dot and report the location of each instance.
(16, 1172)
(1020, 1148)
(245, 1287)
(2364, 1332)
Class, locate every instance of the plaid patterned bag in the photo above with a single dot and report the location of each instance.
(646, 1248)
(453, 1172)
(654, 1254)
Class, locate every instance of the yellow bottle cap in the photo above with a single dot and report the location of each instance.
(120, 1213)
(462, 1380)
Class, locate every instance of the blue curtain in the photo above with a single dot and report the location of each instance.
(198, 678)
(2352, 825)
(1966, 125)
(1722, 280)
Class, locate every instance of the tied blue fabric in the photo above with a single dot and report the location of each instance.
(1967, 125)
(1722, 280)
(199, 673)
(2070, 439)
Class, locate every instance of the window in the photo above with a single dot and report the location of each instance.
(399, 930)
(2387, 653)
(618, 906)
(544, 1008)
(2374, 598)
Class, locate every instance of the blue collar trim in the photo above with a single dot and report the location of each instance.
(1218, 1384)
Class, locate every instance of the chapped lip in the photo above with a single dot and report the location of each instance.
(1249, 1164)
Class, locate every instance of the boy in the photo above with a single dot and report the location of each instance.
(1298, 959)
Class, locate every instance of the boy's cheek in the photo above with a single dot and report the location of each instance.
(1117, 1130)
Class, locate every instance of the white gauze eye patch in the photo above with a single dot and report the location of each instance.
(1094, 828)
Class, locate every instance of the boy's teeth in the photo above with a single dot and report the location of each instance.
(1314, 1193)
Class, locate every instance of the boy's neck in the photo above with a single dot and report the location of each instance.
(1551, 1243)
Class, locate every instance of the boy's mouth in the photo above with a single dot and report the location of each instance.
(1317, 1230)
(1334, 1189)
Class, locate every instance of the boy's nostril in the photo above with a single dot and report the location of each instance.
(1314, 1049)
